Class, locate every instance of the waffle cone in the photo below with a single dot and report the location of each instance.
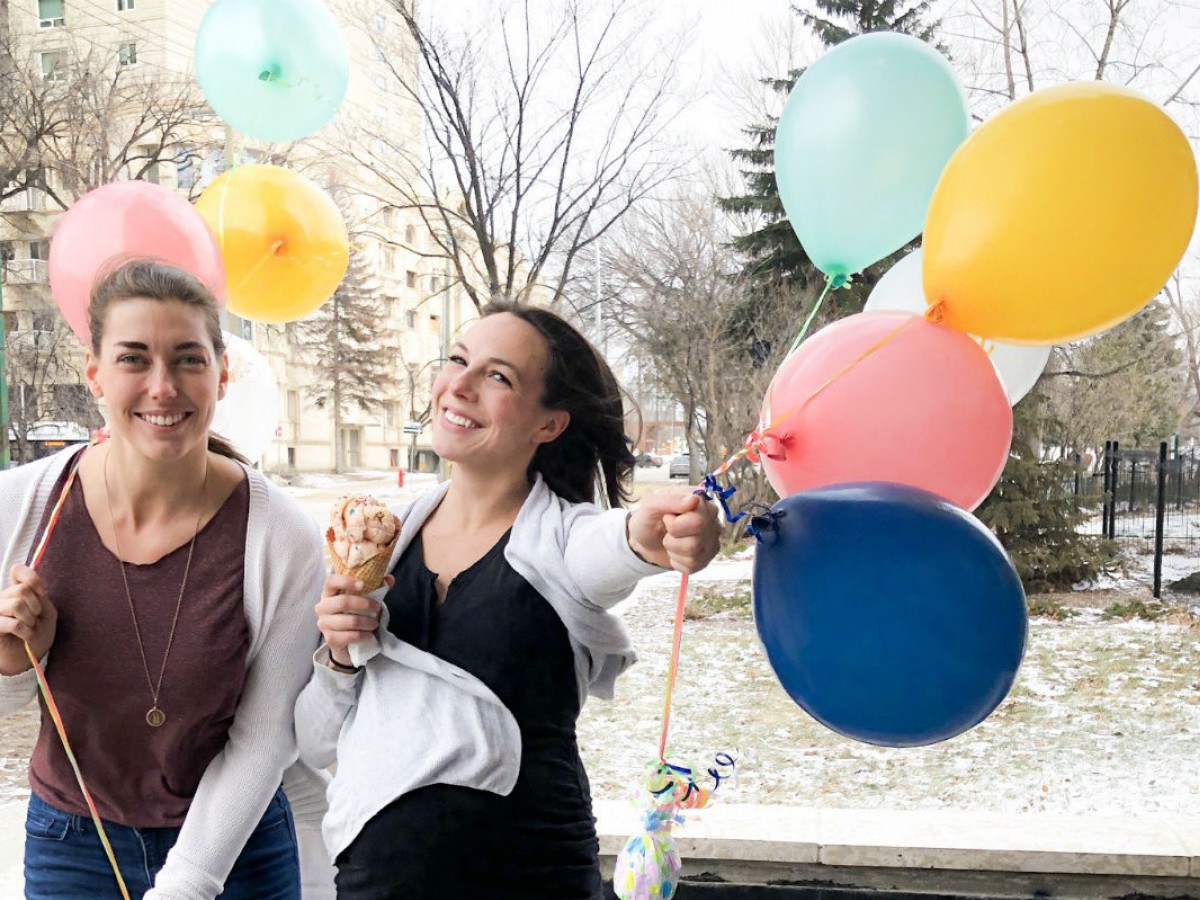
(372, 572)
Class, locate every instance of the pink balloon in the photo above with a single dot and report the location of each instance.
(888, 396)
(127, 220)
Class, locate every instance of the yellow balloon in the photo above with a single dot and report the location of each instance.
(1061, 216)
(283, 240)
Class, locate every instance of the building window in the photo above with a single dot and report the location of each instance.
(389, 258)
(410, 235)
(394, 457)
(125, 5)
(410, 279)
(145, 165)
(39, 250)
(127, 54)
(293, 406)
(54, 65)
(291, 457)
(50, 14)
(185, 170)
(389, 414)
(435, 284)
(410, 320)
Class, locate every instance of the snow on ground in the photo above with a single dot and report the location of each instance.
(1104, 718)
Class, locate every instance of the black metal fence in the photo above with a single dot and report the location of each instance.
(1150, 495)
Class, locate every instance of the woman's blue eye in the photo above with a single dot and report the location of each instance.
(500, 376)
(458, 360)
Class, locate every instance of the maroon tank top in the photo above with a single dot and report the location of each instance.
(138, 775)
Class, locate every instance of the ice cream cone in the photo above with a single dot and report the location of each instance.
(371, 573)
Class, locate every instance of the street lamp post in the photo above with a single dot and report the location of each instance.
(4, 445)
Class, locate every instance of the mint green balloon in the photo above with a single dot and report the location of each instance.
(860, 145)
(275, 70)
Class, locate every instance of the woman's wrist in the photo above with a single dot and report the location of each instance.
(338, 666)
(632, 544)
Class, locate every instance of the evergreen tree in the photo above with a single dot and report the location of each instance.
(342, 341)
(1035, 512)
(1127, 383)
(774, 253)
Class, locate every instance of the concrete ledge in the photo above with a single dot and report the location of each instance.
(973, 853)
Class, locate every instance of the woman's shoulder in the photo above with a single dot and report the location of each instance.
(21, 476)
(275, 512)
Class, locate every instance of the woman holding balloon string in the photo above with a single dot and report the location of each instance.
(448, 701)
(170, 610)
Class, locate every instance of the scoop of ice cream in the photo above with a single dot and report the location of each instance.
(361, 528)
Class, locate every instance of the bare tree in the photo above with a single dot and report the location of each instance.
(541, 125)
(693, 321)
(79, 117)
(42, 379)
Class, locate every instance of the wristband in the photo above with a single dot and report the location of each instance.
(342, 667)
(629, 543)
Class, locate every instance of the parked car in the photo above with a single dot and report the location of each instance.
(681, 466)
(647, 460)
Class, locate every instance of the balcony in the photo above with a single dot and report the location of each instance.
(24, 271)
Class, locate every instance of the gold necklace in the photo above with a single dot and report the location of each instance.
(154, 716)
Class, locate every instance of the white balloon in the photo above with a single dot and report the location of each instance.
(1018, 366)
(900, 287)
(248, 415)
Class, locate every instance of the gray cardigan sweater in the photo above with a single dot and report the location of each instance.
(284, 572)
(410, 719)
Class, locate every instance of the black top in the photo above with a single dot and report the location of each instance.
(448, 841)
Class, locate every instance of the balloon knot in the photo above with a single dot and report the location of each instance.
(763, 442)
(936, 312)
(764, 521)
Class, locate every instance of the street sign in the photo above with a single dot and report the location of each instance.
(411, 427)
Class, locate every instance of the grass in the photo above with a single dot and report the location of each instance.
(711, 601)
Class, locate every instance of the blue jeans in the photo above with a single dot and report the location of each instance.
(64, 859)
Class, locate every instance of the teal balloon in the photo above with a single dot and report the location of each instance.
(275, 70)
(860, 145)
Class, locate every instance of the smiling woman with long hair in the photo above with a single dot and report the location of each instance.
(171, 608)
(449, 702)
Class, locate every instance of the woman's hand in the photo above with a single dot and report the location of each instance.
(675, 530)
(344, 617)
(26, 615)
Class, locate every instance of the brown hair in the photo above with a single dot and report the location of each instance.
(591, 456)
(147, 279)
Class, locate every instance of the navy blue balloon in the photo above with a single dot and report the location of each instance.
(888, 614)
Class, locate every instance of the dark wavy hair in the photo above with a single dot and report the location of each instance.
(591, 458)
(147, 279)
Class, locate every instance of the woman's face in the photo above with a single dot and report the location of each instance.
(159, 375)
(487, 400)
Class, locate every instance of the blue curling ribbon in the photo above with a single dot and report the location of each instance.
(761, 521)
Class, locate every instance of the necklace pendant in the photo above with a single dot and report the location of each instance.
(155, 717)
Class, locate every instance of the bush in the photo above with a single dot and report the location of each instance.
(1049, 608)
(1135, 609)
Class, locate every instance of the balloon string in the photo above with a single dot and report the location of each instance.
(673, 668)
(757, 435)
(272, 251)
(52, 707)
(812, 315)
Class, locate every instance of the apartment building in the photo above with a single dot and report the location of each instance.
(147, 44)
